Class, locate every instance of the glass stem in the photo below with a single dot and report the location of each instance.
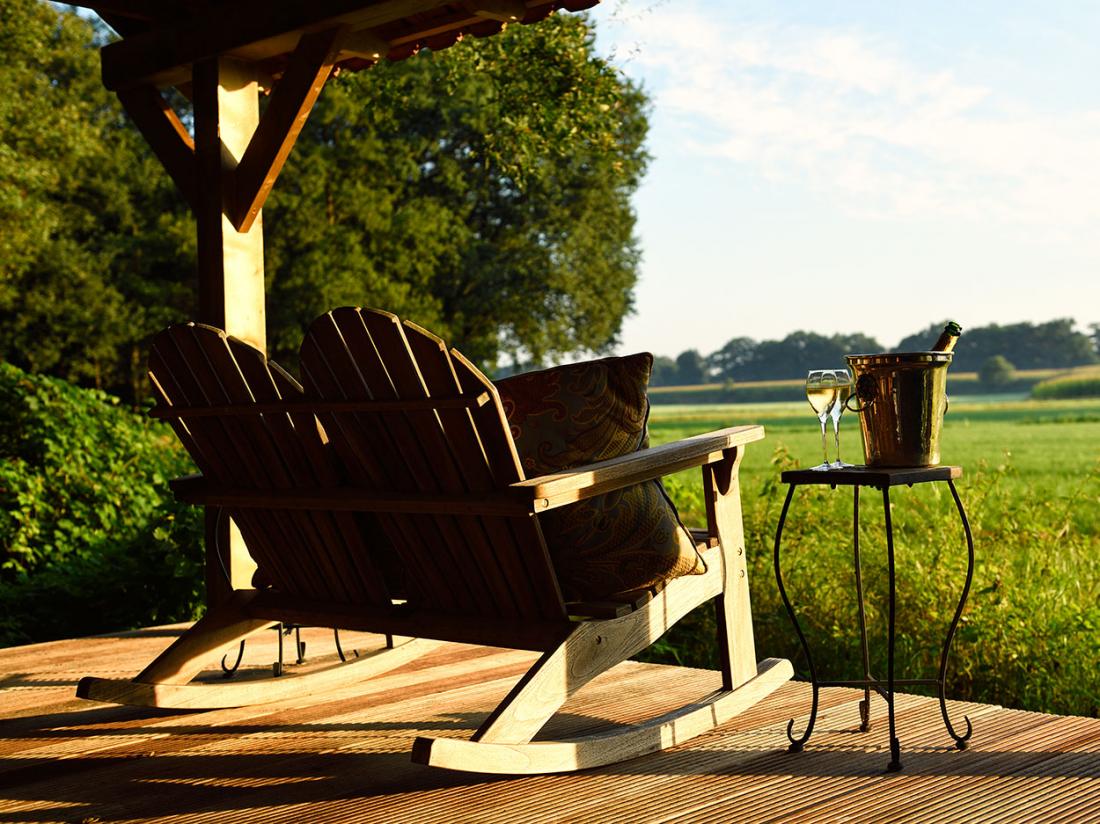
(824, 442)
(836, 436)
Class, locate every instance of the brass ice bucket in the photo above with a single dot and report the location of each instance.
(901, 399)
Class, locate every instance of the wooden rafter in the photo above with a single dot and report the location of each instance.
(167, 136)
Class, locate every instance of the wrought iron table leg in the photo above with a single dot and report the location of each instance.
(796, 743)
(865, 704)
(960, 740)
(895, 745)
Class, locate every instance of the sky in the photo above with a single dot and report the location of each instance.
(861, 166)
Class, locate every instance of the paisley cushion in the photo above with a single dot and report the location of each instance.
(581, 413)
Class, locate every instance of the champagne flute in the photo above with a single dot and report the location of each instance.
(843, 390)
(821, 392)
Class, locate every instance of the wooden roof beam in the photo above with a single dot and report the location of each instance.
(247, 30)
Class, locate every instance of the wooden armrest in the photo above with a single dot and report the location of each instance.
(560, 488)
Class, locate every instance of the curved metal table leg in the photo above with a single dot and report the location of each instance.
(865, 704)
(960, 740)
(796, 743)
(227, 671)
(895, 745)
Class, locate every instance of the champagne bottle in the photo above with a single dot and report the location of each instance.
(948, 337)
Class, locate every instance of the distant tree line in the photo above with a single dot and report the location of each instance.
(993, 350)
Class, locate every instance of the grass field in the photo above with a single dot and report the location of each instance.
(1031, 634)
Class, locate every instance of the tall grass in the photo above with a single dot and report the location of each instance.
(1030, 635)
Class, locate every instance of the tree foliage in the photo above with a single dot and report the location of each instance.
(744, 359)
(996, 372)
(1053, 344)
(95, 249)
(483, 191)
(986, 349)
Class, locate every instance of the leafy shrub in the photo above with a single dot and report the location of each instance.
(91, 538)
(1080, 383)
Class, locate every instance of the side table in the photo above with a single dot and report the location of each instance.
(882, 479)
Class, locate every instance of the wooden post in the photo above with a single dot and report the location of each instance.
(230, 263)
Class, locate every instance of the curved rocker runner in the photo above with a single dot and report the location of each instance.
(386, 495)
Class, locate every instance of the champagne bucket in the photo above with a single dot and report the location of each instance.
(901, 399)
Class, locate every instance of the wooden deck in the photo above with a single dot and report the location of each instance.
(345, 757)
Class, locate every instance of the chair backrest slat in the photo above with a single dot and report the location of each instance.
(211, 441)
(373, 460)
(426, 447)
(496, 565)
(495, 439)
(483, 445)
(337, 538)
(251, 448)
(319, 555)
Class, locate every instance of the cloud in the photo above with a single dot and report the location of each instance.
(845, 113)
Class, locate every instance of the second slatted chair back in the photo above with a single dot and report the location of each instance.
(438, 432)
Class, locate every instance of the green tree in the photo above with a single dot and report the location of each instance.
(731, 359)
(483, 191)
(92, 247)
(997, 372)
(690, 368)
(798, 352)
(1055, 343)
(664, 371)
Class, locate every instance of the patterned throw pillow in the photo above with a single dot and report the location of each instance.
(581, 413)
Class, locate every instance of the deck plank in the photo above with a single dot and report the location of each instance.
(345, 756)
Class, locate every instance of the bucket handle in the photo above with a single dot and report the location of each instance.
(866, 391)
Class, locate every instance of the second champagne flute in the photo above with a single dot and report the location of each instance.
(843, 390)
(821, 393)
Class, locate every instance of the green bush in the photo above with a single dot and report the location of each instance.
(1080, 383)
(91, 538)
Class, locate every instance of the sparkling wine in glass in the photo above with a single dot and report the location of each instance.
(821, 392)
(844, 384)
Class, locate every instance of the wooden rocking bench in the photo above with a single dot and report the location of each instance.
(398, 446)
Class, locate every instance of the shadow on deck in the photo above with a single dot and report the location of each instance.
(345, 756)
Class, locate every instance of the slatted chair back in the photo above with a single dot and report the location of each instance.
(449, 439)
(210, 387)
